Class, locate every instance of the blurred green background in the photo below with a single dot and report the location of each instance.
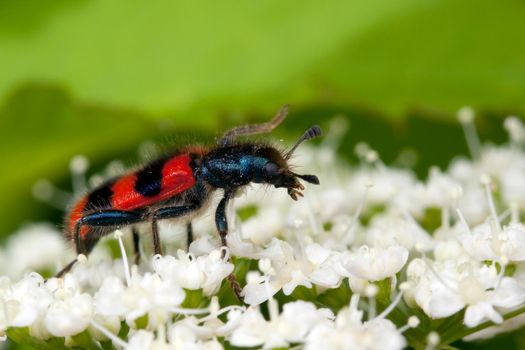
(98, 78)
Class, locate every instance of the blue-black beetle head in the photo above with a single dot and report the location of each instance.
(276, 171)
(229, 166)
(285, 178)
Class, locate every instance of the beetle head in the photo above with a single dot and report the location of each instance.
(277, 172)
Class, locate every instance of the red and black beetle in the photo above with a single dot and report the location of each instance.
(180, 184)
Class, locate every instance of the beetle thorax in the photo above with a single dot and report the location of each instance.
(233, 170)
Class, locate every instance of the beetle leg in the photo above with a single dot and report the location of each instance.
(66, 269)
(189, 234)
(222, 226)
(168, 213)
(220, 217)
(105, 218)
(157, 249)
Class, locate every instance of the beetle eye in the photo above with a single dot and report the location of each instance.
(271, 169)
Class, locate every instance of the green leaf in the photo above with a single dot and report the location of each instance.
(304, 293)
(299, 293)
(247, 212)
(510, 340)
(431, 219)
(453, 334)
(142, 322)
(510, 269)
(124, 330)
(85, 341)
(335, 299)
(107, 345)
(370, 213)
(194, 299)
(21, 336)
(384, 290)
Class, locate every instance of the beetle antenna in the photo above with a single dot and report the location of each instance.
(309, 178)
(252, 129)
(311, 133)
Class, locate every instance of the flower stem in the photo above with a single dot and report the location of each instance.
(457, 333)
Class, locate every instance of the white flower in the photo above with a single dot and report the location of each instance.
(264, 226)
(513, 242)
(513, 184)
(299, 317)
(203, 245)
(186, 334)
(253, 331)
(144, 340)
(241, 247)
(324, 263)
(333, 202)
(487, 242)
(147, 294)
(291, 326)
(291, 268)
(478, 243)
(515, 128)
(180, 337)
(108, 299)
(258, 289)
(69, 316)
(150, 294)
(507, 295)
(387, 184)
(340, 234)
(449, 250)
(348, 328)
(448, 287)
(503, 164)
(439, 191)
(92, 273)
(26, 302)
(184, 269)
(204, 272)
(215, 269)
(391, 229)
(496, 161)
(5, 284)
(473, 203)
(373, 264)
(34, 248)
(110, 323)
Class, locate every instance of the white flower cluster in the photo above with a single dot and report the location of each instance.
(35, 247)
(349, 266)
(63, 308)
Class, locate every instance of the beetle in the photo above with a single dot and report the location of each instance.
(180, 185)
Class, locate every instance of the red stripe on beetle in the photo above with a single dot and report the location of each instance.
(124, 195)
(76, 214)
(177, 176)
